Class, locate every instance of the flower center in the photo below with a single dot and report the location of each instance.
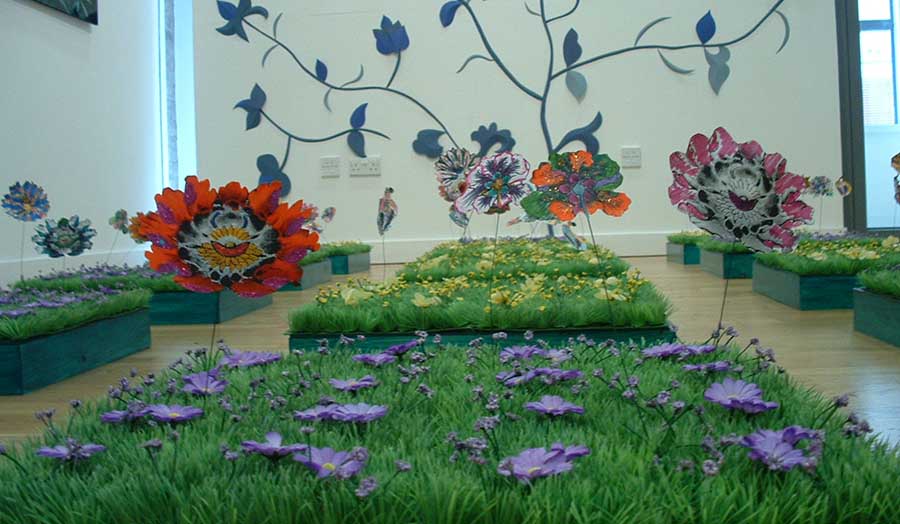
(533, 469)
(329, 466)
(742, 203)
(174, 415)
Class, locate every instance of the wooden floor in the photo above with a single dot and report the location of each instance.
(820, 349)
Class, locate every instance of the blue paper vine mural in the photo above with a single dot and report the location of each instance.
(392, 39)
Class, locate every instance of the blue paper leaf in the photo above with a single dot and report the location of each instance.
(327, 99)
(270, 171)
(275, 25)
(585, 135)
(357, 142)
(787, 31)
(577, 84)
(673, 67)
(253, 119)
(448, 12)
(706, 28)
(253, 106)
(358, 118)
(718, 67)
(571, 48)
(227, 10)
(491, 136)
(649, 26)
(472, 58)
(267, 53)
(321, 71)
(427, 143)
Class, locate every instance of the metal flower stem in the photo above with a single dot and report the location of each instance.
(821, 216)
(724, 299)
(491, 280)
(113, 247)
(383, 261)
(587, 215)
(22, 255)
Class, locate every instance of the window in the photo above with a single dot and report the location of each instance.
(178, 126)
(878, 62)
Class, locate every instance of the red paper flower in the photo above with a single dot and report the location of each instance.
(230, 238)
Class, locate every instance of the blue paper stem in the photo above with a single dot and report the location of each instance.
(545, 128)
(487, 46)
(325, 83)
(306, 140)
(567, 13)
(396, 69)
(287, 152)
(707, 45)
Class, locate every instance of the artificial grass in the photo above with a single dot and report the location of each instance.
(718, 246)
(116, 277)
(474, 259)
(313, 258)
(461, 303)
(882, 281)
(47, 321)
(636, 471)
(844, 257)
(334, 249)
(687, 238)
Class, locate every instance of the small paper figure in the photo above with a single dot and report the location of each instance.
(387, 211)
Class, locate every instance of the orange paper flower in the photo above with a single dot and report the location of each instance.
(227, 238)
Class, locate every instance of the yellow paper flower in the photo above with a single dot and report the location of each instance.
(420, 300)
(890, 242)
(818, 255)
(353, 296)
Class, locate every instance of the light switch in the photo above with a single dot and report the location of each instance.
(330, 166)
(631, 156)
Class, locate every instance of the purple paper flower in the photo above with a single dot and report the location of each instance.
(737, 394)
(204, 384)
(497, 182)
(353, 385)
(246, 359)
(539, 462)
(554, 406)
(676, 349)
(326, 462)
(520, 353)
(358, 413)
(375, 359)
(26, 202)
(720, 366)
(272, 448)
(366, 487)
(558, 356)
(400, 349)
(173, 414)
(71, 451)
(316, 413)
(776, 449)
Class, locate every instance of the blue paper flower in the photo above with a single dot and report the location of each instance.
(391, 39)
(67, 237)
(234, 17)
(26, 202)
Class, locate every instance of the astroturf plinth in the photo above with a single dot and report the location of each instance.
(202, 308)
(806, 293)
(686, 254)
(727, 265)
(31, 364)
(877, 315)
(348, 264)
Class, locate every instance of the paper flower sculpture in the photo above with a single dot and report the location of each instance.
(119, 221)
(26, 202)
(738, 193)
(494, 184)
(328, 214)
(228, 238)
(451, 170)
(387, 211)
(843, 187)
(391, 38)
(134, 228)
(66, 237)
(460, 219)
(819, 186)
(573, 183)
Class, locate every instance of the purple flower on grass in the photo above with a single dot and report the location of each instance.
(776, 449)
(173, 414)
(246, 359)
(366, 487)
(375, 359)
(402, 467)
(676, 349)
(272, 448)
(204, 384)
(316, 413)
(737, 394)
(558, 356)
(539, 462)
(326, 462)
(353, 385)
(520, 353)
(721, 366)
(71, 451)
(554, 406)
(358, 413)
(400, 349)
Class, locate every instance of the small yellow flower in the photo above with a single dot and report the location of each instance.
(353, 296)
(420, 300)
(890, 242)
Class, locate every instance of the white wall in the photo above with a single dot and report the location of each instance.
(80, 116)
(789, 102)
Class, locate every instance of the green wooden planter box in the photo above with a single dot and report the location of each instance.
(29, 365)
(381, 341)
(727, 265)
(201, 308)
(313, 275)
(807, 293)
(687, 254)
(347, 264)
(877, 315)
